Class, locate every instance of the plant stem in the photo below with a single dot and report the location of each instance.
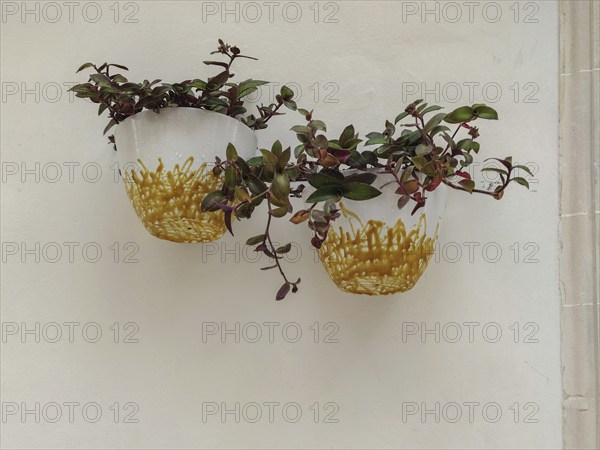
(268, 239)
(267, 118)
(460, 188)
(453, 136)
(425, 135)
(479, 191)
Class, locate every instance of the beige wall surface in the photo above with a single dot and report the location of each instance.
(470, 358)
(579, 162)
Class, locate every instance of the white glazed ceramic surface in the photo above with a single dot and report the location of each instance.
(175, 134)
(385, 207)
(374, 248)
(166, 161)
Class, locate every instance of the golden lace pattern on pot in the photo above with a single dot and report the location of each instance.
(168, 201)
(375, 259)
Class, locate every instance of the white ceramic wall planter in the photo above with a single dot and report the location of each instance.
(374, 248)
(166, 161)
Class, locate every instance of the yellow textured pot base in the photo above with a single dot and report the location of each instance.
(375, 259)
(168, 201)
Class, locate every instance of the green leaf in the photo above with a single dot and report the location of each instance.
(439, 129)
(347, 134)
(323, 193)
(460, 115)
(301, 129)
(464, 144)
(319, 179)
(469, 185)
(400, 116)
(359, 191)
(422, 107)
(242, 165)
(280, 187)
(276, 148)
(321, 142)
(422, 149)
(449, 140)
(255, 239)
(351, 144)
(255, 161)
(119, 78)
(406, 174)
(84, 66)
(468, 159)
(248, 87)
(329, 206)
(390, 129)
(209, 203)
(270, 159)
(485, 112)
(231, 153)
(287, 93)
(370, 157)
(493, 169)
(111, 124)
(82, 87)
(356, 160)
(100, 79)
(333, 173)
(198, 84)
(216, 63)
(255, 185)
(241, 194)
(522, 181)
(284, 249)
(218, 80)
(319, 125)
(362, 177)
(279, 212)
(290, 104)
(525, 168)
(119, 66)
(419, 162)
(160, 90)
(284, 158)
(377, 141)
(506, 162)
(433, 122)
(230, 177)
(431, 109)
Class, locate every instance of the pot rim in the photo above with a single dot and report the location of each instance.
(188, 108)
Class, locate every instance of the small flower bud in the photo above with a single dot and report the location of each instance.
(474, 132)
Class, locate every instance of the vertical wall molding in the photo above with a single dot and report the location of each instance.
(579, 159)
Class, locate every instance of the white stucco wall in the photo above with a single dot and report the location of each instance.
(354, 62)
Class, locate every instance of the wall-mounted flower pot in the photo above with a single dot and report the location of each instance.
(374, 248)
(166, 161)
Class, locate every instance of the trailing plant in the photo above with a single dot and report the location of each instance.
(121, 98)
(416, 152)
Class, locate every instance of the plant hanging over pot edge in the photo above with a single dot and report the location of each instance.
(414, 160)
